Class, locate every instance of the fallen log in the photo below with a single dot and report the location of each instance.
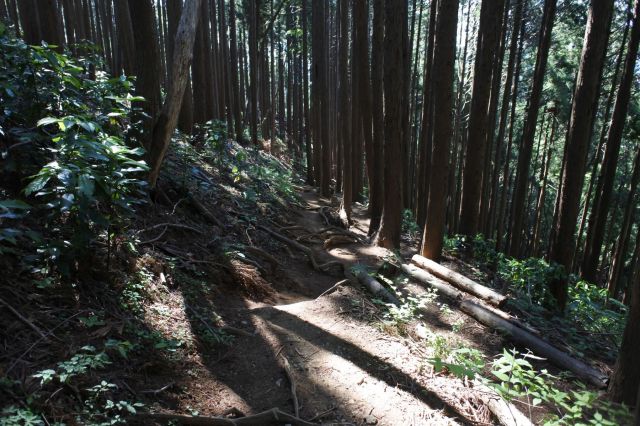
(534, 343)
(376, 288)
(460, 281)
(505, 412)
(515, 330)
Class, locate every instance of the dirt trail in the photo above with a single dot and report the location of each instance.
(346, 369)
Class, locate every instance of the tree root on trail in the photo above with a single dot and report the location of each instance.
(204, 211)
(306, 250)
(294, 395)
(269, 417)
(336, 240)
(263, 254)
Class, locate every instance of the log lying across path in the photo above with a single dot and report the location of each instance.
(460, 281)
(510, 327)
(376, 288)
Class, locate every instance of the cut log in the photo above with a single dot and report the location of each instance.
(506, 413)
(514, 329)
(460, 281)
(376, 288)
(534, 343)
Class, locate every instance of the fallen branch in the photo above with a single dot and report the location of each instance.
(25, 320)
(333, 288)
(269, 417)
(292, 381)
(460, 281)
(162, 389)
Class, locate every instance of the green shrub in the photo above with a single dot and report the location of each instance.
(83, 175)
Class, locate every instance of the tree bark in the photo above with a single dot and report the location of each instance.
(390, 223)
(528, 133)
(344, 125)
(602, 200)
(444, 54)
(376, 196)
(488, 37)
(578, 139)
(168, 118)
(148, 67)
(185, 119)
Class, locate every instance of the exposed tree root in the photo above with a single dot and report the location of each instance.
(337, 240)
(204, 211)
(306, 250)
(292, 380)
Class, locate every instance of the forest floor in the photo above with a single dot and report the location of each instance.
(347, 366)
(208, 314)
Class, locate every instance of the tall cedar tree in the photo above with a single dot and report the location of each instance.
(491, 13)
(444, 54)
(390, 223)
(602, 200)
(578, 140)
(528, 133)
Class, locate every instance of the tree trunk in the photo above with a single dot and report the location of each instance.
(168, 118)
(344, 125)
(376, 196)
(185, 119)
(624, 382)
(610, 162)
(526, 146)
(625, 233)
(488, 37)
(577, 143)
(253, 67)
(444, 53)
(148, 67)
(390, 223)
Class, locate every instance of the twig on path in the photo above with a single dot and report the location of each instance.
(25, 320)
(162, 389)
(266, 417)
(333, 288)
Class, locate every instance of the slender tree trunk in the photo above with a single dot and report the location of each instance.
(444, 54)
(253, 67)
(528, 133)
(425, 141)
(343, 114)
(539, 212)
(622, 242)
(578, 138)
(610, 162)
(125, 36)
(488, 38)
(376, 195)
(168, 118)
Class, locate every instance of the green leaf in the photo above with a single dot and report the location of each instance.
(47, 120)
(86, 185)
(37, 183)
(14, 204)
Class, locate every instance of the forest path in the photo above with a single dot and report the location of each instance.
(346, 369)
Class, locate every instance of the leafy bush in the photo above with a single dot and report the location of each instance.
(84, 177)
